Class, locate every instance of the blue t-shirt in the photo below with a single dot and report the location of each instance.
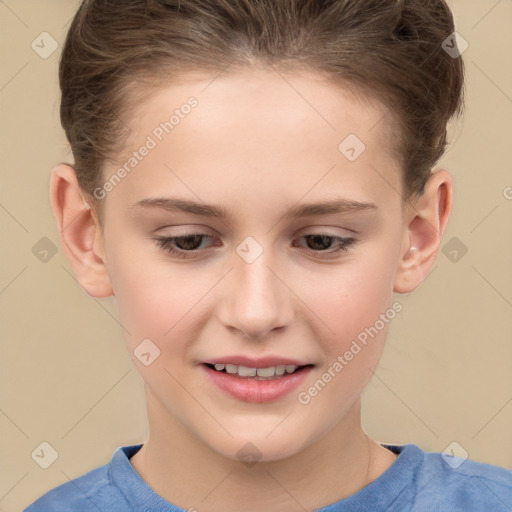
(417, 481)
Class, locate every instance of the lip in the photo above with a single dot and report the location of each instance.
(249, 389)
(262, 362)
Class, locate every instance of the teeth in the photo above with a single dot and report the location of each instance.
(266, 372)
(244, 371)
(231, 368)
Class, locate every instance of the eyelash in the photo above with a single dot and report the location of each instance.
(166, 244)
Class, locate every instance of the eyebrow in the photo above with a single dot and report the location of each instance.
(341, 206)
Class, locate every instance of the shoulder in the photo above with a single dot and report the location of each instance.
(444, 482)
(90, 492)
(471, 483)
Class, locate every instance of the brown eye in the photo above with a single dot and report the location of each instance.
(321, 243)
(181, 245)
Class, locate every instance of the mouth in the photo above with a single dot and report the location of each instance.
(268, 373)
(256, 385)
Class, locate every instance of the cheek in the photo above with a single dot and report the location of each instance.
(355, 305)
(154, 297)
(349, 297)
(157, 306)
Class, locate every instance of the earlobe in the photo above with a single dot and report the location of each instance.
(79, 231)
(424, 223)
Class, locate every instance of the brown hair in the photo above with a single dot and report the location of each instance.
(392, 50)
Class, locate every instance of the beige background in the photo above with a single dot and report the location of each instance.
(446, 372)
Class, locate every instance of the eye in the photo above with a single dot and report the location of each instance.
(186, 243)
(319, 243)
(186, 246)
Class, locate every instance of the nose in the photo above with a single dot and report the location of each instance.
(257, 300)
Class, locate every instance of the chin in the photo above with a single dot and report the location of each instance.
(257, 448)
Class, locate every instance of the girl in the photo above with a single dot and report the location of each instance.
(253, 180)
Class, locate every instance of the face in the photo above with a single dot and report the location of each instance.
(274, 279)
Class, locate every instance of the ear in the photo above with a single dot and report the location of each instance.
(80, 232)
(424, 223)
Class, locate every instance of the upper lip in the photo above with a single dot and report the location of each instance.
(261, 362)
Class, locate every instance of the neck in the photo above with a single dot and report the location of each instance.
(184, 471)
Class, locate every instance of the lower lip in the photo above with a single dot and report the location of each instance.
(256, 391)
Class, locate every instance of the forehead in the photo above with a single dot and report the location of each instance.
(272, 125)
(266, 98)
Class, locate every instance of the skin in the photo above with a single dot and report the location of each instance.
(254, 145)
